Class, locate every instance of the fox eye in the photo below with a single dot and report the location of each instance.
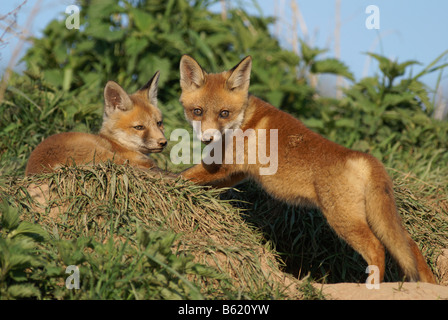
(139, 127)
(224, 114)
(197, 111)
(159, 124)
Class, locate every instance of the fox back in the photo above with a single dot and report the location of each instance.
(132, 128)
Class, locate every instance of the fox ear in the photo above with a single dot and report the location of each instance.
(152, 88)
(239, 78)
(192, 76)
(115, 98)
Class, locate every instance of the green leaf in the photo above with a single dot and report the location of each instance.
(430, 67)
(98, 9)
(134, 46)
(23, 291)
(33, 230)
(148, 65)
(309, 54)
(275, 97)
(332, 66)
(420, 119)
(345, 122)
(419, 89)
(361, 145)
(21, 261)
(104, 30)
(392, 99)
(61, 53)
(143, 20)
(384, 63)
(54, 77)
(402, 66)
(18, 275)
(201, 43)
(314, 123)
(10, 216)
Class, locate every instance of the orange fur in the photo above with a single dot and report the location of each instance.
(132, 128)
(351, 188)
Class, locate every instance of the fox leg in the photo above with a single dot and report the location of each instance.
(203, 175)
(213, 175)
(229, 181)
(350, 225)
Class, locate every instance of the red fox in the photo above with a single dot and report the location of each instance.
(352, 189)
(132, 128)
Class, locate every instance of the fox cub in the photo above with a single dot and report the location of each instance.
(352, 189)
(132, 128)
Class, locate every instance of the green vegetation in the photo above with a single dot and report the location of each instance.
(140, 237)
(133, 236)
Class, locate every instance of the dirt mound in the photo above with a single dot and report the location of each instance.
(392, 290)
(114, 201)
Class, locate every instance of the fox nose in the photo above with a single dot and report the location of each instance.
(209, 135)
(162, 142)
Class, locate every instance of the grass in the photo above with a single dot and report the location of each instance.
(140, 236)
(115, 205)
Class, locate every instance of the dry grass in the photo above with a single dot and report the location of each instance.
(114, 201)
(255, 242)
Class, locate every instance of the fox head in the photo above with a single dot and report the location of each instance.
(134, 121)
(218, 101)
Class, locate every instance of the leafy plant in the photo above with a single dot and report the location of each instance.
(119, 270)
(149, 248)
(18, 254)
(310, 64)
(32, 265)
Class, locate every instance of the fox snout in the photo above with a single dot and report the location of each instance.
(155, 145)
(205, 135)
(209, 135)
(162, 142)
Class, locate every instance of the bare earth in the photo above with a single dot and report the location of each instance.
(387, 291)
(392, 290)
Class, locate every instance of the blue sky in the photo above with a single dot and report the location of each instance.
(409, 29)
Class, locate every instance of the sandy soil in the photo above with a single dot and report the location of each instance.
(392, 290)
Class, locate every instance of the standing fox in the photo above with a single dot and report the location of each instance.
(132, 128)
(351, 188)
